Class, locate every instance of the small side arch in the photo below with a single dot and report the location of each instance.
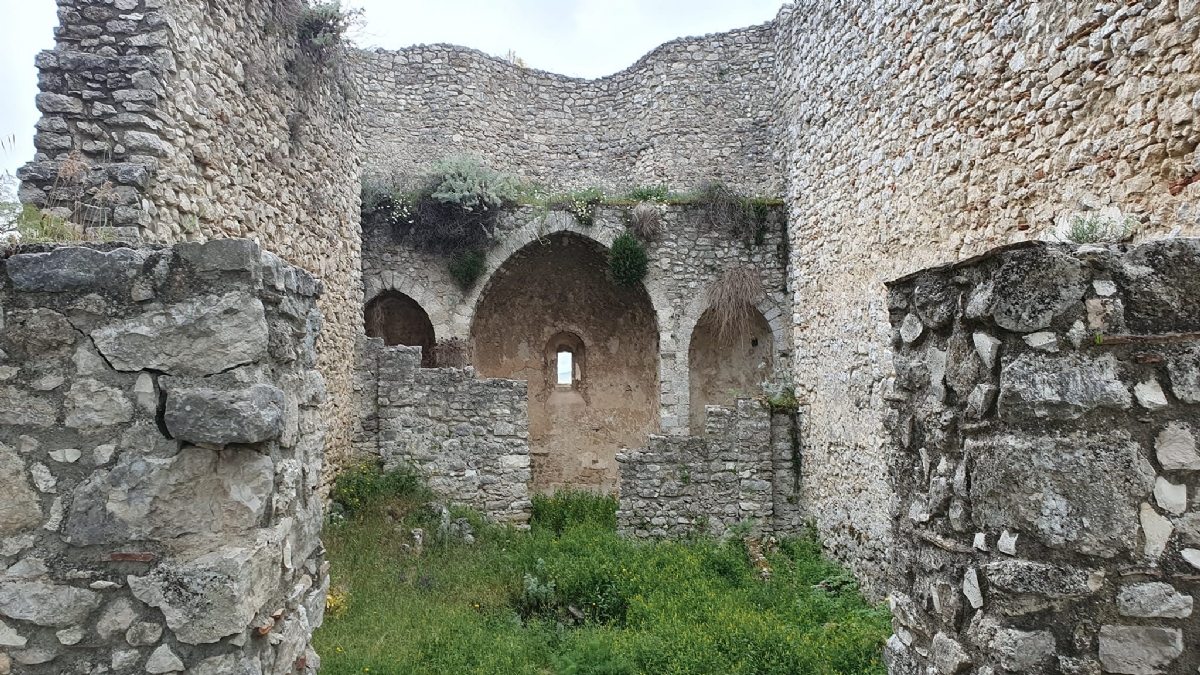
(400, 320)
(723, 369)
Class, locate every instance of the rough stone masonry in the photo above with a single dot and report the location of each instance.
(1044, 421)
(161, 447)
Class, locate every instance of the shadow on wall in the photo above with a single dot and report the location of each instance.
(400, 320)
(550, 303)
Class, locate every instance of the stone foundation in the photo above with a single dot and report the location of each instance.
(1044, 422)
(161, 447)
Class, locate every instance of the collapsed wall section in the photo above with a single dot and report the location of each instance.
(180, 120)
(744, 471)
(468, 437)
(692, 110)
(1045, 416)
(161, 447)
(919, 132)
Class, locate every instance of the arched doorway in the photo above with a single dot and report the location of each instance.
(588, 349)
(399, 320)
(722, 370)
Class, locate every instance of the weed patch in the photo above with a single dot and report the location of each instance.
(570, 597)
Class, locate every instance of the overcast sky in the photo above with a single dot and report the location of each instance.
(582, 38)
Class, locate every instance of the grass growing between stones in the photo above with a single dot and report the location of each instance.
(571, 598)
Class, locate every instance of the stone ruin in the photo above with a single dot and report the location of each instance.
(1009, 461)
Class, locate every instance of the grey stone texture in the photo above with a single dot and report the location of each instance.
(740, 471)
(468, 436)
(184, 122)
(1082, 493)
(148, 516)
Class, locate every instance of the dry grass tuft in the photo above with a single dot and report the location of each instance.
(646, 221)
(732, 299)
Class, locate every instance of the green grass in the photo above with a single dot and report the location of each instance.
(569, 597)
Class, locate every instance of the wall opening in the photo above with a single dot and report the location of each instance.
(552, 303)
(400, 320)
(721, 371)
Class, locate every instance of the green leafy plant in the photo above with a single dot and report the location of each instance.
(583, 205)
(468, 184)
(466, 268)
(659, 194)
(359, 487)
(322, 26)
(1099, 228)
(627, 261)
(572, 508)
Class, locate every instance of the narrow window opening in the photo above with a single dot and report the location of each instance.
(566, 369)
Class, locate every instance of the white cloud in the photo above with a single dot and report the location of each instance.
(581, 38)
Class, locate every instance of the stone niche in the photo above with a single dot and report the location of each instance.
(160, 450)
(1045, 463)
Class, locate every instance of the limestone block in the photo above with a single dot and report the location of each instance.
(1150, 395)
(911, 329)
(1156, 529)
(46, 604)
(1052, 488)
(212, 589)
(116, 618)
(1184, 371)
(1176, 448)
(970, 587)
(198, 337)
(1025, 577)
(9, 637)
(1035, 286)
(19, 508)
(21, 408)
(949, 657)
(1169, 496)
(198, 490)
(1154, 600)
(1161, 279)
(91, 404)
(1139, 650)
(163, 660)
(70, 636)
(40, 332)
(74, 267)
(1024, 651)
(219, 416)
(222, 255)
(143, 634)
(1051, 387)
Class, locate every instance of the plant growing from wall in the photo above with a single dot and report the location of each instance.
(645, 220)
(466, 268)
(627, 260)
(733, 300)
(322, 26)
(658, 194)
(727, 211)
(1101, 228)
(583, 205)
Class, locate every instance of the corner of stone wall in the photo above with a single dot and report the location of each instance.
(161, 450)
(1044, 424)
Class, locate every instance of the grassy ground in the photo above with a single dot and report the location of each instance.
(571, 598)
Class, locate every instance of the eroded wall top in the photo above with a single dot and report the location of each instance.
(694, 109)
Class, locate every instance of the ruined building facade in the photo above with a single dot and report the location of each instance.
(898, 135)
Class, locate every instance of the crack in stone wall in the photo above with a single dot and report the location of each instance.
(161, 447)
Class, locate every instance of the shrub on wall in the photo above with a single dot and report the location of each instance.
(627, 260)
(466, 268)
(645, 220)
(730, 212)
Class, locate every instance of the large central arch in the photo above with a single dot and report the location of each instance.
(553, 302)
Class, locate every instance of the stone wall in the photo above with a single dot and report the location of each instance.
(693, 109)
(161, 447)
(1044, 420)
(686, 257)
(744, 470)
(919, 132)
(467, 436)
(190, 120)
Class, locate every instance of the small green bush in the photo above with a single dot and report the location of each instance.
(322, 26)
(359, 487)
(658, 194)
(466, 268)
(468, 184)
(627, 261)
(784, 401)
(1096, 228)
(570, 508)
